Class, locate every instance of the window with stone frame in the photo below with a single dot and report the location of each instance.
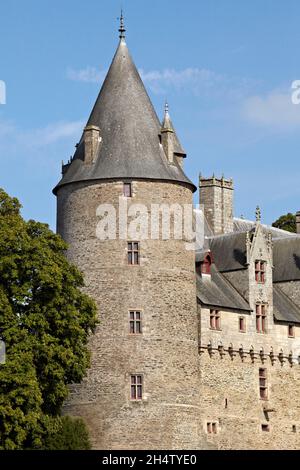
(127, 190)
(136, 387)
(261, 318)
(242, 324)
(215, 320)
(133, 253)
(212, 427)
(260, 271)
(135, 322)
(291, 331)
(263, 384)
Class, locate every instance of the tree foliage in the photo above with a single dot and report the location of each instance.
(286, 222)
(71, 434)
(45, 321)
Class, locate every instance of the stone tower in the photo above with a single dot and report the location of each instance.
(142, 390)
(216, 195)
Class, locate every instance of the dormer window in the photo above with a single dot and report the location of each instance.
(206, 265)
(260, 272)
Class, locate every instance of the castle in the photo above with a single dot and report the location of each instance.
(196, 348)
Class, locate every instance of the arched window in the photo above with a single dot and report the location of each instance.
(206, 264)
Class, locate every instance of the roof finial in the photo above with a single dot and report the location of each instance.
(166, 107)
(122, 27)
(258, 214)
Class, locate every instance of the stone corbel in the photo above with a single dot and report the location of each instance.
(242, 353)
(231, 352)
(272, 357)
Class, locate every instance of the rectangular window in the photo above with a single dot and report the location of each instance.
(263, 388)
(260, 271)
(212, 428)
(135, 322)
(265, 428)
(127, 192)
(136, 383)
(215, 320)
(261, 318)
(133, 253)
(242, 325)
(291, 331)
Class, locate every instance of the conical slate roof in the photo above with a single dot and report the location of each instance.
(130, 130)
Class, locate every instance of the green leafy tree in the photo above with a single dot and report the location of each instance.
(286, 222)
(45, 322)
(70, 435)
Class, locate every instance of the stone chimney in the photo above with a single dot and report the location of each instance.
(216, 195)
(298, 222)
(92, 139)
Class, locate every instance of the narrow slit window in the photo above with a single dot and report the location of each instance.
(127, 190)
(215, 320)
(242, 324)
(263, 386)
(291, 331)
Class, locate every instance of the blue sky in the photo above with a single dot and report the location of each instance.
(225, 66)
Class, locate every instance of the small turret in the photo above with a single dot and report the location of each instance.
(169, 140)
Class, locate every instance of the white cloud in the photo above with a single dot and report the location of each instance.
(87, 75)
(179, 78)
(52, 133)
(14, 138)
(198, 82)
(274, 111)
(193, 80)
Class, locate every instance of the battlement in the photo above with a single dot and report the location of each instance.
(215, 181)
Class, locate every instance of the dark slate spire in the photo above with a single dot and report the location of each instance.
(125, 131)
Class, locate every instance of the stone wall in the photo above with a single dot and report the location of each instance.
(230, 397)
(162, 287)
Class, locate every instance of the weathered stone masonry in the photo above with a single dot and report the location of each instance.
(201, 383)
